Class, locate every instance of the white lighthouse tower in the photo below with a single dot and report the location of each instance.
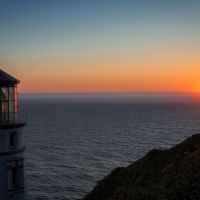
(13, 184)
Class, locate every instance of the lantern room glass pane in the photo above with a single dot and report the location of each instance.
(11, 93)
(15, 92)
(4, 94)
(5, 111)
(4, 106)
(11, 111)
(15, 106)
(11, 106)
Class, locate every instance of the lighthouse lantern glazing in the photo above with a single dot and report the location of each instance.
(9, 102)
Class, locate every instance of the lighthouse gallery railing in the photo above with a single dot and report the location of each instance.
(13, 117)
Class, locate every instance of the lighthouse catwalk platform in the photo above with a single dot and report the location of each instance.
(13, 183)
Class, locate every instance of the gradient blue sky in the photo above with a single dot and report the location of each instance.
(34, 32)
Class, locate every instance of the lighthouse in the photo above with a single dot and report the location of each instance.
(13, 184)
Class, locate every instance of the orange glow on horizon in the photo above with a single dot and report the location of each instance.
(147, 71)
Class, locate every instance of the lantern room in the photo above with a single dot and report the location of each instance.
(8, 98)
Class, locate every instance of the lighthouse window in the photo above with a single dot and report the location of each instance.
(13, 140)
(15, 173)
(14, 176)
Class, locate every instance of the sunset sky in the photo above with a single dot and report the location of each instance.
(101, 46)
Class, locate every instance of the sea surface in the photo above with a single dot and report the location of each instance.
(75, 140)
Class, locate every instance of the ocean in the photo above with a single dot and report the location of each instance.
(75, 140)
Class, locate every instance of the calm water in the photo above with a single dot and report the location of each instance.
(73, 141)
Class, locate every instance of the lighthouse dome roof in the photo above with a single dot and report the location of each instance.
(7, 78)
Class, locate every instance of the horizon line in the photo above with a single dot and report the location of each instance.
(152, 92)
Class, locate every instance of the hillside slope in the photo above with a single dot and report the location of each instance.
(160, 174)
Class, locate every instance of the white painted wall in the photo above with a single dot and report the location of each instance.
(7, 153)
